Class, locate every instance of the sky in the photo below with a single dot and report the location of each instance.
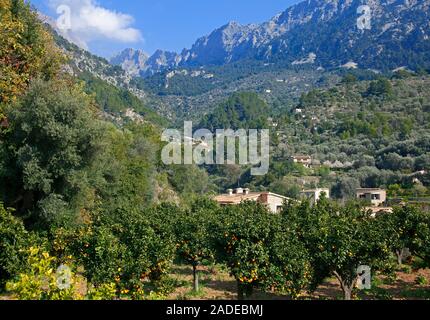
(105, 27)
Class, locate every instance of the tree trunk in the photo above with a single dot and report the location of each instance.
(240, 293)
(399, 254)
(195, 278)
(346, 287)
(244, 291)
(347, 291)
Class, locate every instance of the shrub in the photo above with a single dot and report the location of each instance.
(41, 282)
(105, 291)
(421, 280)
(13, 239)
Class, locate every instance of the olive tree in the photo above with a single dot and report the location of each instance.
(49, 147)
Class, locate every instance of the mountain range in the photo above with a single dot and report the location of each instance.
(377, 34)
(311, 44)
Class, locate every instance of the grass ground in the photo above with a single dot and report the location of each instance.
(216, 284)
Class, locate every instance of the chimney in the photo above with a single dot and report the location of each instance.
(230, 192)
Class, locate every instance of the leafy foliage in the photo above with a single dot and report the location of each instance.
(14, 239)
(259, 252)
(26, 50)
(339, 240)
(51, 144)
(242, 110)
(41, 281)
(193, 235)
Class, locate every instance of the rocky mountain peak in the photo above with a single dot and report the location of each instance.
(131, 60)
(328, 29)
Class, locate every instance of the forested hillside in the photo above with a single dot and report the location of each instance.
(359, 133)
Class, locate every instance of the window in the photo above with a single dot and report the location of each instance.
(376, 197)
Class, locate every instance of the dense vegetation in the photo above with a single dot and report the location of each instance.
(240, 111)
(87, 201)
(26, 50)
(116, 100)
(369, 133)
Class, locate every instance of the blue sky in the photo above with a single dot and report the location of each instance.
(155, 24)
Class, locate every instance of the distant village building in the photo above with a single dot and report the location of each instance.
(306, 161)
(416, 181)
(314, 195)
(379, 210)
(377, 197)
(316, 163)
(273, 202)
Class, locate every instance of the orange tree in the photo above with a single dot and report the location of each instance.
(193, 235)
(259, 250)
(290, 269)
(401, 228)
(161, 219)
(339, 239)
(242, 237)
(421, 242)
(123, 247)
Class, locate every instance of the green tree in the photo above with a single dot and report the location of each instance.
(27, 50)
(243, 233)
(51, 144)
(124, 248)
(193, 235)
(241, 110)
(290, 268)
(401, 229)
(339, 239)
(421, 241)
(102, 255)
(189, 179)
(381, 87)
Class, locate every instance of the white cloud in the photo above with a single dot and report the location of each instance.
(89, 21)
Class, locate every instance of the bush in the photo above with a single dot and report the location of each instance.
(122, 247)
(41, 282)
(421, 280)
(103, 292)
(13, 240)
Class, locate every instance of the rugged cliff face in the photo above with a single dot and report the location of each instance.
(376, 34)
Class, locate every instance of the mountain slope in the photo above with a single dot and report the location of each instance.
(359, 133)
(113, 87)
